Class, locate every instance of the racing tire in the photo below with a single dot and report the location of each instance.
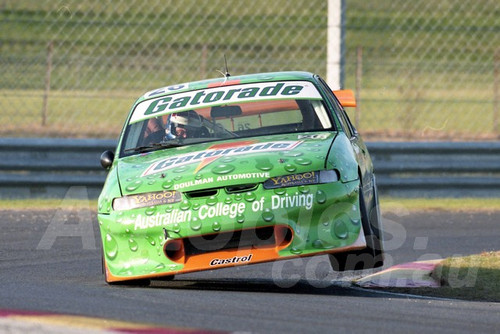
(373, 255)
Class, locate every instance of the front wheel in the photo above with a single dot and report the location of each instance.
(373, 255)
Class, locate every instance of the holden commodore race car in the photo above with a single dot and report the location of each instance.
(236, 171)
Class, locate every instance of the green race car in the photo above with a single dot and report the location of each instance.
(235, 171)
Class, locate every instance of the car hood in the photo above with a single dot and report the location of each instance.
(224, 163)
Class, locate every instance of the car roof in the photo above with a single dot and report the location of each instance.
(226, 81)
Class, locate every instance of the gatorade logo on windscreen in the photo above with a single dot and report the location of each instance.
(224, 95)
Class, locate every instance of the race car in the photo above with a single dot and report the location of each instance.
(234, 171)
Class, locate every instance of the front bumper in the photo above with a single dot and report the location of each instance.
(230, 229)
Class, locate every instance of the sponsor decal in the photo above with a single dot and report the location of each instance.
(147, 199)
(292, 180)
(287, 201)
(221, 178)
(161, 219)
(258, 175)
(211, 154)
(235, 259)
(193, 183)
(222, 95)
(221, 209)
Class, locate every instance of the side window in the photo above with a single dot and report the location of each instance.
(346, 124)
(339, 110)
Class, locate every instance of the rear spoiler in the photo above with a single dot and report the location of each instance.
(345, 97)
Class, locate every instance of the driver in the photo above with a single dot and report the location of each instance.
(186, 124)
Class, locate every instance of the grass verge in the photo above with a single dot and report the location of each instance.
(47, 204)
(473, 277)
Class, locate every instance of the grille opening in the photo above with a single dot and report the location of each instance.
(283, 236)
(229, 189)
(174, 250)
(201, 193)
(241, 188)
(259, 237)
(269, 236)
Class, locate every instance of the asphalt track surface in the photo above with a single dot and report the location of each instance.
(43, 270)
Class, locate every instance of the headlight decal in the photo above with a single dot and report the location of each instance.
(146, 199)
(301, 179)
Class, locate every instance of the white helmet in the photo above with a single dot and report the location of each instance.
(187, 118)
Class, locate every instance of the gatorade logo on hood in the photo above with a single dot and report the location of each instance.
(216, 151)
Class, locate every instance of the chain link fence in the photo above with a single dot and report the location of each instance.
(422, 70)
(425, 70)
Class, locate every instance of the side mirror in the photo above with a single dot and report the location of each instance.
(345, 97)
(107, 158)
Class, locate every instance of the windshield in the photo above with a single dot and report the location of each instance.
(218, 113)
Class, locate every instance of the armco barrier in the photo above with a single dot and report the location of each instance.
(33, 167)
(437, 169)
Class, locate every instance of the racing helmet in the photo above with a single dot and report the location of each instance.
(189, 119)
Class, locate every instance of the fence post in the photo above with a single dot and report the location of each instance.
(50, 49)
(496, 91)
(359, 75)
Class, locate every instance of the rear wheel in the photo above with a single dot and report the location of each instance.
(373, 255)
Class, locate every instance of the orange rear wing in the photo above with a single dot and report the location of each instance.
(345, 97)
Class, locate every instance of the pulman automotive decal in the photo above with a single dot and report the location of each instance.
(212, 154)
(223, 95)
(220, 178)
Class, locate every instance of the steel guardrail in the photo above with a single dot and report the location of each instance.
(437, 169)
(34, 167)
